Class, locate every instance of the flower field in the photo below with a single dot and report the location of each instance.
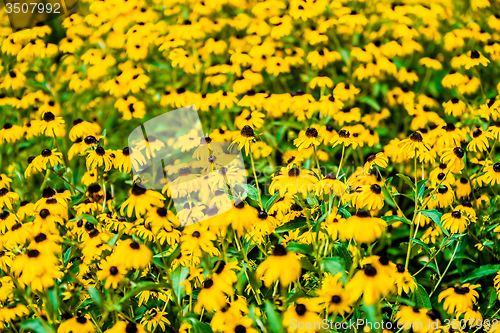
(369, 131)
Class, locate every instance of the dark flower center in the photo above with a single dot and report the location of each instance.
(138, 190)
(240, 329)
(416, 137)
(16, 226)
(463, 180)
(49, 116)
(496, 167)
(279, 250)
(40, 237)
(247, 131)
(207, 284)
(300, 309)
(33, 253)
(459, 152)
(81, 320)
(456, 214)
(46, 152)
(311, 132)
(474, 55)
(262, 215)
(135, 245)
(344, 134)
(196, 234)
(400, 268)
(443, 190)
(212, 211)
(362, 213)
(336, 299)
(131, 328)
(7, 125)
(477, 133)
(113, 270)
(461, 290)
(185, 171)
(44, 213)
(90, 140)
(293, 172)
(375, 188)
(370, 270)
(220, 266)
(161, 212)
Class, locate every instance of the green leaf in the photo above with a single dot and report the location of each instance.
(421, 298)
(344, 212)
(407, 180)
(96, 297)
(54, 301)
(299, 248)
(273, 319)
(36, 325)
(252, 192)
(340, 250)
(387, 197)
(422, 244)
(334, 265)
(371, 102)
(256, 284)
(435, 215)
(395, 218)
(306, 264)
(290, 226)
(141, 286)
(87, 217)
(274, 199)
(371, 314)
(421, 188)
(480, 272)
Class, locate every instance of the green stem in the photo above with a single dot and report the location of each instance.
(446, 270)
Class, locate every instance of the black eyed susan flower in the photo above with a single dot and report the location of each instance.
(403, 280)
(343, 138)
(47, 156)
(126, 327)
(308, 138)
(99, 157)
(380, 160)
(198, 237)
(414, 145)
(363, 228)
(51, 125)
(492, 175)
(453, 158)
(464, 188)
(113, 273)
(372, 198)
(474, 58)
(333, 296)
(141, 200)
(82, 129)
(11, 133)
(7, 198)
(245, 139)
(304, 313)
(79, 324)
(281, 265)
(454, 107)
(370, 283)
(293, 181)
(155, 318)
(330, 185)
(132, 254)
(212, 296)
(460, 298)
(479, 140)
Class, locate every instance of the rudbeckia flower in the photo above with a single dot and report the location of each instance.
(245, 139)
(414, 145)
(79, 324)
(11, 133)
(281, 265)
(475, 58)
(304, 314)
(453, 159)
(307, 139)
(363, 228)
(126, 327)
(492, 175)
(370, 283)
(51, 125)
(459, 299)
(479, 140)
(455, 222)
(113, 273)
(132, 254)
(380, 160)
(141, 200)
(293, 181)
(99, 157)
